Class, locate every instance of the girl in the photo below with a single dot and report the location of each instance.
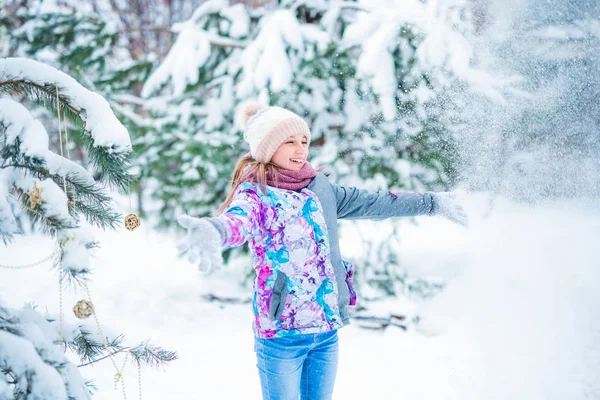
(287, 212)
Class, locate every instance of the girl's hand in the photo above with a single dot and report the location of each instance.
(445, 204)
(202, 243)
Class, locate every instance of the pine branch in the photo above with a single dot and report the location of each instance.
(79, 38)
(92, 388)
(111, 168)
(104, 358)
(8, 372)
(73, 275)
(86, 199)
(153, 356)
(7, 238)
(112, 163)
(90, 350)
(99, 216)
(42, 94)
(49, 225)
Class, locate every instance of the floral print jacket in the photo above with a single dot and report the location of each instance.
(302, 285)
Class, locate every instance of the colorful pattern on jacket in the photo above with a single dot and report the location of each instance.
(287, 234)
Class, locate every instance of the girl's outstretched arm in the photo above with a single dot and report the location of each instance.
(353, 203)
(207, 236)
(241, 220)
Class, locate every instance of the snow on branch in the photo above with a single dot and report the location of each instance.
(29, 135)
(104, 128)
(193, 47)
(105, 138)
(190, 52)
(267, 60)
(28, 348)
(34, 141)
(441, 49)
(27, 160)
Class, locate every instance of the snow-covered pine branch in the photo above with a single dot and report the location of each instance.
(26, 160)
(193, 47)
(270, 61)
(442, 52)
(32, 364)
(106, 139)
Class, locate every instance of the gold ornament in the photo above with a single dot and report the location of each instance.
(132, 221)
(83, 309)
(35, 196)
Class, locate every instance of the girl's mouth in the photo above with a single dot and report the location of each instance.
(297, 161)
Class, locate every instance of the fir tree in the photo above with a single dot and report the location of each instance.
(57, 195)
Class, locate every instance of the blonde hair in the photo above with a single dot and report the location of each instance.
(248, 169)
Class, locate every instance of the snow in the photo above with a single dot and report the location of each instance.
(442, 49)
(192, 48)
(517, 320)
(266, 61)
(54, 200)
(21, 355)
(189, 52)
(104, 128)
(239, 20)
(28, 347)
(34, 141)
(276, 61)
(8, 224)
(76, 256)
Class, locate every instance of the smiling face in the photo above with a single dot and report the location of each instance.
(292, 153)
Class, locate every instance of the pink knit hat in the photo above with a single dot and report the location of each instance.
(266, 128)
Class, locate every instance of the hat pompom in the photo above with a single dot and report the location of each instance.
(247, 110)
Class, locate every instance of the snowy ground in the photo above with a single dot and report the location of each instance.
(519, 319)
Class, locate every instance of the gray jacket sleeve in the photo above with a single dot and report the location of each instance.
(353, 203)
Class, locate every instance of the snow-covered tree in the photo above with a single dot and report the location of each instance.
(61, 199)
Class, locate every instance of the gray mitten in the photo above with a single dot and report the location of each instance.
(445, 204)
(202, 243)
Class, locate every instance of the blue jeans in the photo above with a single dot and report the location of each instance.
(297, 366)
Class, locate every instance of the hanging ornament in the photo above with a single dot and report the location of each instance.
(83, 309)
(132, 221)
(35, 196)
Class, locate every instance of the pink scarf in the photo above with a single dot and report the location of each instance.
(286, 179)
(292, 180)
